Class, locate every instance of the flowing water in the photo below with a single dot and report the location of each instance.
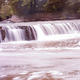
(40, 51)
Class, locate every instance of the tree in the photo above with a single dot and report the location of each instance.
(1, 2)
(5, 9)
(19, 7)
(23, 7)
(54, 6)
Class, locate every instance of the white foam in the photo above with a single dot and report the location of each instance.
(23, 73)
(3, 75)
(16, 78)
(1, 49)
(35, 75)
(54, 72)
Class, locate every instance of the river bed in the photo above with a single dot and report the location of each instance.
(48, 57)
(57, 63)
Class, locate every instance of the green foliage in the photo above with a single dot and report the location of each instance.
(73, 7)
(26, 2)
(5, 11)
(68, 6)
(19, 7)
(24, 7)
(54, 6)
(1, 2)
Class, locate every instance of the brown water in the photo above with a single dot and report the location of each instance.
(44, 61)
(53, 59)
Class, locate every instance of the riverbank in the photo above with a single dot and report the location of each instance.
(41, 17)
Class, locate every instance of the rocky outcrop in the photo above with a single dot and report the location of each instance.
(2, 33)
(41, 17)
(0, 28)
(15, 19)
(1, 19)
(29, 32)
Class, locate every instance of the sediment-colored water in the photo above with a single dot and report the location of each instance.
(45, 58)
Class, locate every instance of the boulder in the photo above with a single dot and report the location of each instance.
(16, 19)
(3, 34)
(0, 27)
(1, 18)
(29, 32)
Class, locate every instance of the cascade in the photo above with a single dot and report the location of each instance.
(13, 34)
(18, 33)
(52, 31)
(45, 31)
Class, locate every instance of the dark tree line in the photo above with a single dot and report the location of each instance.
(24, 7)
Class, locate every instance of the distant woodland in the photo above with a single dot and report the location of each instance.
(25, 7)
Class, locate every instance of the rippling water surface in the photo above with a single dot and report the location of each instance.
(42, 59)
(36, 60)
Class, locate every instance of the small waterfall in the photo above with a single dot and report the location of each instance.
(18, 33)
(14, 34)
(45, 31)
(52, 31)
(55, 29)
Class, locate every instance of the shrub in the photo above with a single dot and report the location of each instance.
(54, 6)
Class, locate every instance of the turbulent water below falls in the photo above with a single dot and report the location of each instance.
(40, 65)
(45, 58)
(37, 60)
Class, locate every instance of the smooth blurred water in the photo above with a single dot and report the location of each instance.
(40, 65)
(56, 58)
(37, 60)
(41, 31)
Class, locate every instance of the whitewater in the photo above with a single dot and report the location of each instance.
(44, 50)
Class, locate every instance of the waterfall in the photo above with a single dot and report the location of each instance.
(53, 31)
(19, 33)
(14, 34)
(44, 31)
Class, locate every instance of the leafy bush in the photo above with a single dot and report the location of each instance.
(54, 6)
(6, 11)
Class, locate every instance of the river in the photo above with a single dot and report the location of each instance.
(57, 59)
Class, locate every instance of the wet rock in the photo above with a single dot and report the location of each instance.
(3, 34)
(15, 19)
(1, 19)
(0, 27)
(30, 32)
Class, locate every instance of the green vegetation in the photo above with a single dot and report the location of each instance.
(24, 7)
(54, 6)
(70, 6)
